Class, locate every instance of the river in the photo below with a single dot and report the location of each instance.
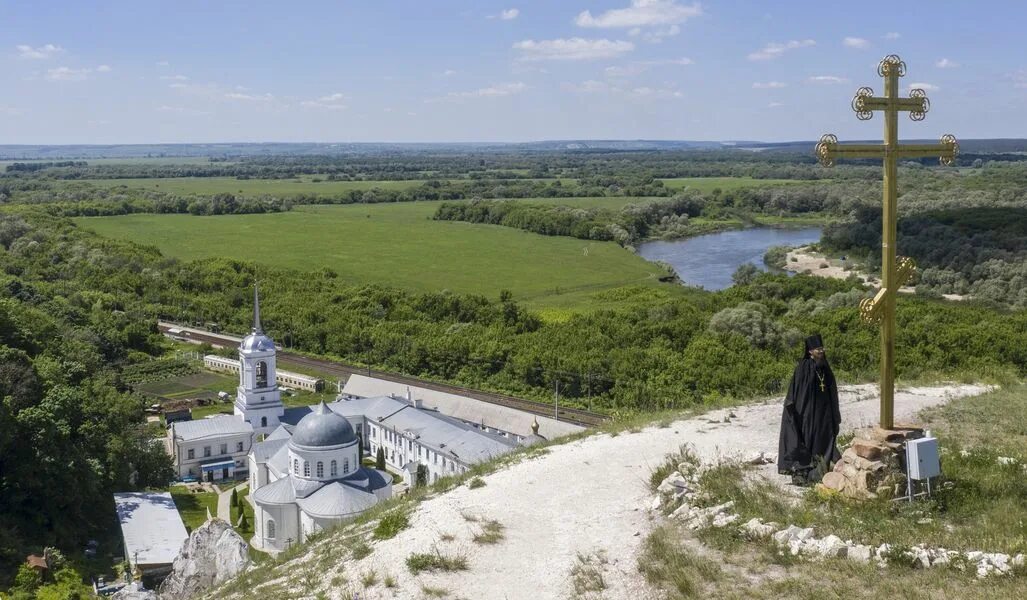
(710, 260)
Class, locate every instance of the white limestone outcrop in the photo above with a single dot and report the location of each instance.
(213, 554)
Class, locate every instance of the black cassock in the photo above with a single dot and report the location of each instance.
(811, 419)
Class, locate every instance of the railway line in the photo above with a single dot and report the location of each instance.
(576, 416)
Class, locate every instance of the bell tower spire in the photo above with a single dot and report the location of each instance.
(256, 309)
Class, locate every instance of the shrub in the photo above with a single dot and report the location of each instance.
(390, 525)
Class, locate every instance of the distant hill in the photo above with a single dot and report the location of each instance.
(84, 151)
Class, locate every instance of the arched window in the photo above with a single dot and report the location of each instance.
(270, 533)
(296, 466)
(335, 469)
(306, 469)
(262, 374)
(345, 466)
(320, 470)
(263, 421)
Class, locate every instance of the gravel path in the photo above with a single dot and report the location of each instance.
(585, 497)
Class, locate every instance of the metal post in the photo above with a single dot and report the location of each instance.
(556, 409)
(888, 239)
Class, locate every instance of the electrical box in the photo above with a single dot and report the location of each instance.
(922, 459)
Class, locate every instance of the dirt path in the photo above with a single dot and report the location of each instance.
(585, 497)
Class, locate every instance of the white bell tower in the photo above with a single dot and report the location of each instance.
(258, 399)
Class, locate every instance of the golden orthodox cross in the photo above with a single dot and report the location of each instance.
(895, 271)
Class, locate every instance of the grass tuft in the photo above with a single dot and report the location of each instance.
(391, 524)
(437, 561)
(491, 533)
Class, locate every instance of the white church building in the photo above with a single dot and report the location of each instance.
(304, 463)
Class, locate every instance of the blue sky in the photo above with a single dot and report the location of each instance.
(441, 70)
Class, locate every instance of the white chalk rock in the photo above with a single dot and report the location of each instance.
(674, 483)
(1007, 460)
(656, 504)
(859, 553)
(211, 555)
(832, 546)
(757, 529)
(723, 519)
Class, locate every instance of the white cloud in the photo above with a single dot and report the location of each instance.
(641, 13)
(590, 87)
(927, 87)
(892, 35)
(946, 64)
(1019, 79)
(249, 97)
(855, 42)
(493, 91)
(10, 111)
(41, 52)
(656, 36)
(774, 105)
(774, 50)
(330, 102)
(163, 63)
(448, 73)
(506, 15)
(634, 68)
(769, 85)
(69, 74)
(572, 49)
(180, 110)
(174, 78)
(830, 79)
(648, 92)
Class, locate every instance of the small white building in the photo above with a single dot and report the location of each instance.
(152, 531)
(211, 449)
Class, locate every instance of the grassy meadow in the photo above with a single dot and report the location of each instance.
(307, 185)
(397, 245)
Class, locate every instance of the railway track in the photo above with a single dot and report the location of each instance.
(576, 416)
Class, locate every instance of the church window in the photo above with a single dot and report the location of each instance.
(191, 453)
(306, 469)
(238, 446)
(270, 529)
(320, 470)
(206, 451)
(261, 374)
(296, 466)
(345, 466)
(263, 421)
(224, 448)
(335, 469)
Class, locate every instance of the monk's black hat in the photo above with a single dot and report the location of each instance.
(814, 341)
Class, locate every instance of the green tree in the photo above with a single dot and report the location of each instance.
(379, 459)
(422, 475)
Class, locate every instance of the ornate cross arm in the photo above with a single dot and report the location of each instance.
(828, 150)
(946, 151)
(870, 308)
(865, 103)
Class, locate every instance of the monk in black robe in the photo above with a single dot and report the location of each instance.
(811, 418)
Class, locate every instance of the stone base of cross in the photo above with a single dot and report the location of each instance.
(895, 271)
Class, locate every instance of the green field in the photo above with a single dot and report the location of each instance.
(708, 184)
(307, 185)
(396, 245)
(252, 187)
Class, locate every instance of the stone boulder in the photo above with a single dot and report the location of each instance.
(213, 554)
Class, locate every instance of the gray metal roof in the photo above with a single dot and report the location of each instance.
(323, 428)
(257, 342)
(336, 499)
(449, 435)
(151, 527)
(220, 425)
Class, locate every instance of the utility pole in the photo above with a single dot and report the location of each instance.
(556, 409)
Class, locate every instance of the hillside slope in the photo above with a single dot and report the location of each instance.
(582, 501)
